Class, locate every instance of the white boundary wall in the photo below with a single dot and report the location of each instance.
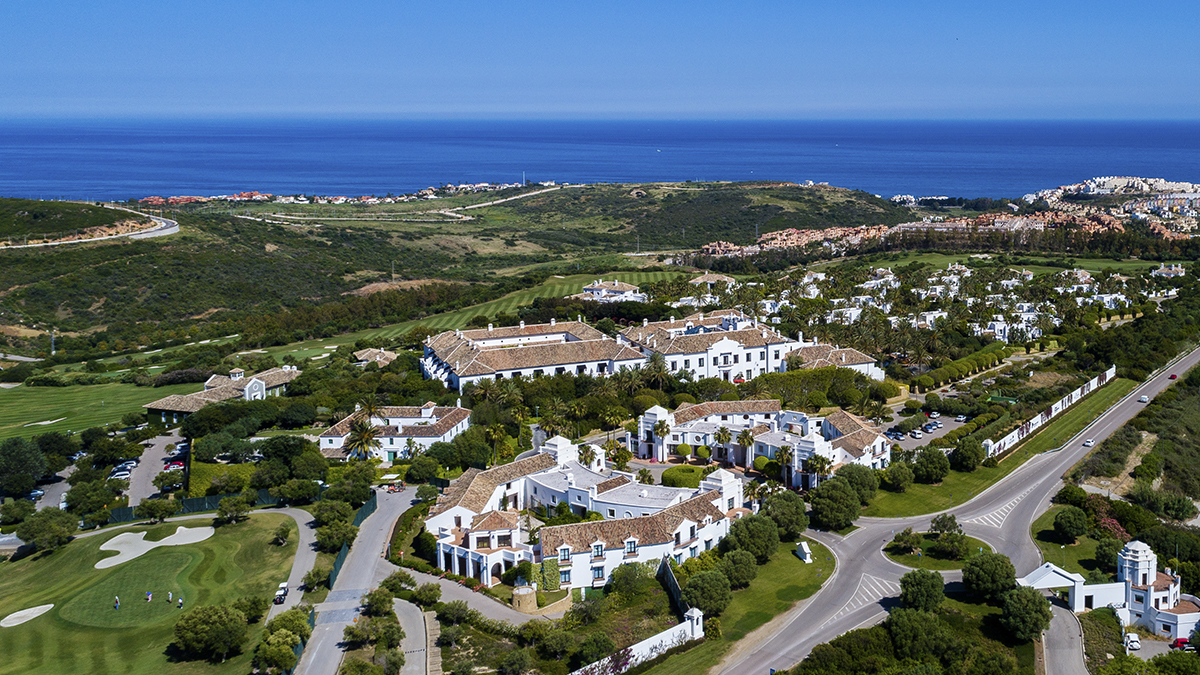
(1020, 433)
(692, 628)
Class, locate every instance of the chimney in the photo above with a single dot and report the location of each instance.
(552, 322)
(672, 318)
(570, 480)
(489, 327)
(645, 322)
(642, 494)
(522, 324)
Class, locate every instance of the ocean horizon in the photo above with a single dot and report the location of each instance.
(116, 159)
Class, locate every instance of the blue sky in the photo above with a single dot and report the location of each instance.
(673, 60)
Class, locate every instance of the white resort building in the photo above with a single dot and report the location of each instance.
(219, 388)
(1141, 596)
(841, 438)
(481, 534)
(403, 430)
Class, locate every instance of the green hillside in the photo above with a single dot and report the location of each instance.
(20, 217)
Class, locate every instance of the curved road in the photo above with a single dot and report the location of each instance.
(870, 583)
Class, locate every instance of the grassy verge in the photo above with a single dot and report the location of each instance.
(958, 487)
(780, 584)
(83, 633)
(927, 560)
(324, 561)
(1102, 637)
(1079, 557)
(1074, 420)
(75, 408)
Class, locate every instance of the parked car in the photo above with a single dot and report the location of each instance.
(36, 493)
(916, 434)
(1143, 399)
(280, 596)
(120, 475)
(1089, 443)
(935, 414)
(1179, 643)
(174, 466)
(1133, 642)
(960, 418)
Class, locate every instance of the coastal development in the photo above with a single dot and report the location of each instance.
(732, 457)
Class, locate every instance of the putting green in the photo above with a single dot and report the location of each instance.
(83, 633)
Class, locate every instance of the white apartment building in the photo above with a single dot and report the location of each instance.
(481, 534)
(403, 430)
(611, 291)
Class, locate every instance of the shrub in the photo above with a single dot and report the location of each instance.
(899, 476)
(931, 467)
(760, 463)
(1070, 524)
(740, 567)
(754, 533)
(863, 480)
(787, 510)
(708, 592)
(922, 590)
(682, 476)
(989, 575)
(835, 505)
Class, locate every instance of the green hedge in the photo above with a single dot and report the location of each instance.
(683, 476)
(549, 568)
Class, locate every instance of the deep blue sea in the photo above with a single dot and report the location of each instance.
(122, 159)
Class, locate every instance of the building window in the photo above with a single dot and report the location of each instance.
(631, 547)
(564, 576)
(735, 358)
(708, 544)
(673, 365)
(612, 513)
(1138, 598)
(598, 550)
(678, 558)
(701, 362)
(730, 506)
(776, 354)
(553, 499)
(692, 551)
(687, 363)
(597, 572)
(564, 554)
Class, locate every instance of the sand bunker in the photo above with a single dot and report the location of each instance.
(130, 545)
(18, 618)
(36, 424)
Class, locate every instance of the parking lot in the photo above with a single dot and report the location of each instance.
(910, 443)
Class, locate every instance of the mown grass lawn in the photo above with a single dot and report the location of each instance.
(75, 408)
(1079, 557)
(780, 584)
(927, 559)
(958, 488)
(85, 634)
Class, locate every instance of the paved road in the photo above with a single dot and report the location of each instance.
(869, 582)
(141, 482)
(15, 357)
(164, 226)
(306, 556)
(413, 623)
(1063, 643)
(56, 490)
(364, 568)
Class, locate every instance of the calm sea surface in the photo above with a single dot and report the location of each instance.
(122, 159)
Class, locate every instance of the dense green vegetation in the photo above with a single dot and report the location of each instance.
(20, 217)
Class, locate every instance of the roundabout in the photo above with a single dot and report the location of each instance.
(927, 557)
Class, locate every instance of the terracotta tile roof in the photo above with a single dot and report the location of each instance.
(611, 484)
(1184, 607)
(272, 378)
(381, 356)
(468, 357)
(473, 489)
(495, 520)
(718, 313)
(699, 410)
(1162, 582)
(847, 423)
(856, 442)
(823, 356)
(445, 418)
(654, 529)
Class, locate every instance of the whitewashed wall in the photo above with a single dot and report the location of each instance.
(1028, 428)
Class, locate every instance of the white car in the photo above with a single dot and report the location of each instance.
(934, 415)
(1144, 399)
(960, 418)
(917, 435)
(1089, 443)
(120, 475)
(1133, 642)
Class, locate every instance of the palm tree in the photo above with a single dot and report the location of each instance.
(755, 389)
(655, 371)
(587, 455)
(784, 457)
(577, 409)
(612, 418)
(510, 394)
(645, 477)
(661, 429)
(753, 491)
(605, 386)
(411, 447)
(818, 465)
(629, 380)
(723, 436)
(876, 411)
(363, 438)
(485, 390)
(746, 440)
(370, 407)
(495, 433)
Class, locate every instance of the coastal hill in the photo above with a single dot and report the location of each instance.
(232, 258)
(21, 217)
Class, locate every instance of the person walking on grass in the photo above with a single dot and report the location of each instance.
(181, 602)
(116, 602)
(170, 599)
(149, 596)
